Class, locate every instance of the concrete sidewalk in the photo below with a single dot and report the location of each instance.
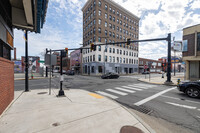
(161, 81)
(21, 76)
(79, 111)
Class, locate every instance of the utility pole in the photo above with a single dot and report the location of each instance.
(169, 59)
(26, 62)
(46, 66)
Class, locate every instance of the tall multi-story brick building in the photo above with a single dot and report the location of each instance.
(105, 21)
(191, 51)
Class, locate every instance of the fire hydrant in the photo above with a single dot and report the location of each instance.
(31, 76)
(178, 81)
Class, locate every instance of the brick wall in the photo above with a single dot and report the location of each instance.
(6, 83)
(191, 45)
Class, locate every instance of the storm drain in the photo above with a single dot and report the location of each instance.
(130, 129)
(141, 109)
(40, 93)
(56, 124)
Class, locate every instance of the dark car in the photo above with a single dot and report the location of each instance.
(191, 88)
(70, 72)
(145, 72)
(110, 76)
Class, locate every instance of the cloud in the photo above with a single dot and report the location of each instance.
(63, 27)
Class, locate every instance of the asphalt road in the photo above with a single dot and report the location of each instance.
(160, 101)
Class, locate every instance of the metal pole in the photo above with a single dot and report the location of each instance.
(169, 59)
(50, 75)
(46, 66)
(105, 59)
(174, 63)
(61, 92)
(26, 61)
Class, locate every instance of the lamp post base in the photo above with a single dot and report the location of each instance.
(61, 93)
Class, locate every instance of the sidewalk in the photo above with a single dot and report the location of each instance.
(79, 111)
(161, 81)
(21, 76)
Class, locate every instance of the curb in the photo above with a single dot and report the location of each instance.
(31, 79)
(156, 83)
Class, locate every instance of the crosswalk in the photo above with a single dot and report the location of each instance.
(116, 92)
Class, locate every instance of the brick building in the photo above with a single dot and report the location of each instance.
(191, 51)
(105, 21)
(26, 15)
(156, 65)
(75, 61)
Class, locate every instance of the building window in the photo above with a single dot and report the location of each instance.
(92, 69)
(113, 59)
(120, 60)
(113, 50)
(120, 51)
(106, 32)
(110, 17)
(117, 13)
(106, 7)
(110, 34)
(198, 41)
(124, 52)
(113, 27)
(93, 58)
(99, 39)
(106, 48)
(99, 48)
(106, 58)
(117, 59)
(94, 12)
(94, 30)
(94, 21)
(113, 19)
(110, 9)
(120, 22)
(110, 58)
(99, 3)
(100, 69)
(113, 11)
(106, 40)
(106, 15)
(99, 30)
(106, 24)
(110, 25)
(117, 51)
(99, 21)
(113, 35)
(99, 58)
(99, 12)
(110, 50)
(124, 60)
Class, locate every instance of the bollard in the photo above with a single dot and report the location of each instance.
(31, 76)
(178, 81)
(162, 75)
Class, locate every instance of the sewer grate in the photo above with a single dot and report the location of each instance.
(56, 124)
(40, 93)
(142, 109)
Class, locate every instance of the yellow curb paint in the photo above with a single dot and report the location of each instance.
(95, 95)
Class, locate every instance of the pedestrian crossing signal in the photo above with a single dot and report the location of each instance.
(66, 50)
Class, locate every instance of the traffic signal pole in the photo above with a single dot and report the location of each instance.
(169, 59)
(26, 62)
(61, 92)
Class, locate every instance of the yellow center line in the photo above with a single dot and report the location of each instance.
(95, 95)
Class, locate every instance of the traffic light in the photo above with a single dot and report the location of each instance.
(128, 41)
(66, 50)
(92, 47)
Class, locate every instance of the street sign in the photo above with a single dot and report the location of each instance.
(177, 46)
(53, 60)
(41, 61)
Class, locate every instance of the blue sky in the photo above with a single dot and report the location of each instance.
(63, 26)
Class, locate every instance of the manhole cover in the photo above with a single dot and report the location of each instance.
(56, 124)
(130, 129)
(40, 93)
(142, 109)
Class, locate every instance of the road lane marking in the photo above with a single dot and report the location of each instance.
(180, 105)
(198, 117)
(118, 92)
(153, 96)
(145, 85)
(141, 87)
(198, 109)
(132, 88)
(95, 95)
(180, 99)
(122, 89)
(106, 94)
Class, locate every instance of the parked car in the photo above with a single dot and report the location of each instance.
(70, 72)
(56, 71)
(110, 76)
(191, 88)
(145, 72)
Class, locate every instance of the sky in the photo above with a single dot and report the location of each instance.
(63, 26)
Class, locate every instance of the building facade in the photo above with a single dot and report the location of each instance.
(26, 15)
(75, 61)
(104, 21)
(155, 67)
(191, 51)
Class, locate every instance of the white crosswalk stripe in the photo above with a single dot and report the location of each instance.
(106, 94)
(141, 87)
(126, 90)
(132, 88)
(145, 85)
(118, 92)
